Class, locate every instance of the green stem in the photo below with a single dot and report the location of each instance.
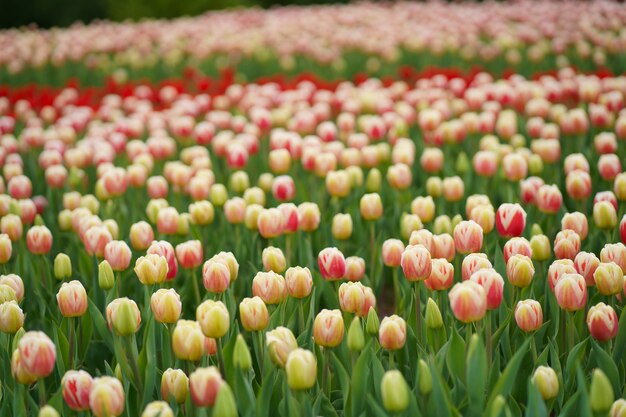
(373, 251)
(301, 316)
(196, 288)
(42, 392)
(418, 313)
(326, 378)
(220, 356)
(260, 353)
(131, 354)
(72, 340)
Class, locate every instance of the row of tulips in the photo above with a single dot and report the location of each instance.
(427, 249)
(331, 41)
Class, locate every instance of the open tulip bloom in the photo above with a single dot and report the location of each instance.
(362, 227)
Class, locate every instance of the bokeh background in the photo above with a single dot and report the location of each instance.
(49, 13)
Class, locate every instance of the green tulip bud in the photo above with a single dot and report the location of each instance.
(443, 224)
(225, 405)
(241, 354)
(356, 339)
(425, 378)
(433, 315)
(546, 381)
(395, 392)
(373, 323)
(536, 230)
(14, 208)
(535, 164)
(498, 406)
(105, 275)
(239, 181)
(62, 267)
(218, 195)
(601, 393)
(373, 181)
(462, 163)
(540, 245)
(118, 373)
(39, 221)
(456, 220)
(48, 411)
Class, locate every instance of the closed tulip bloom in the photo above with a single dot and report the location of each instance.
(204, 385)
(7, 293)
(515, 167)
(586, 264)
(6, 248)
(468, 301)
(416, 263)
(37, 354)
(141, 235)
(395, 392)
(11, 317)
(468, 237)
(18, 371)
(371, 207)
(11, 225)
(273, 259)
(422, 237)
(520, 270)
(338, 183)
(165, 248)
(571, 292)
(614, 252)
(202, 212)
(578, 184)
(214, 318)
(453, 188)
(492, 283)
(546, 381)
(604, 215)
(72, 299)
(618, 409)
(540, 248)
(424, 207)
(151, 269)
(280, 343)
(485, 216)
(441, 276)
(342, 226)
(392, 333)
(308, 216)
(106, 398)
(549, 199)
(270, 287)
(39, 240)
(622, 229)
(332, 264)
(577, 222)
(166, 305)
(472, 263)
(399, 176)
(188, 340)
(253, 314)
(157, 409)
(301, 369)
(174, 385)
(298, 281)
(118, 254)
(167, 220)
(485, 163)
(559, 268)
(76, 386)
(392, 252)
(290, 217)
(609, 278)
(408, 224)
(284, 188)
(351, 297)
(328, 328)
(270, 223)
(123, 316)
(235, 210)
(566, 244)
(62, 266)
(189, 254)
(510, 220)
(516, 246)
(355, 268)
(20, 187)
(528, 315)
(602, 322)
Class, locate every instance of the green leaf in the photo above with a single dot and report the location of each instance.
(359, 381)
(439, 401)
(342, 376)
(619, 345)
(536, 406)
(455, 356)
(476, 376)
(150, 372)
(377, 410)
(101, 326)
(507, 379)
(573, 358)
(605, 362)
(265, 395)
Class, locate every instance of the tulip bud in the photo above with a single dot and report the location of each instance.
(433, 315)
(468, 301)
(241, 354)
(373, 180)
(273, 259)
(425, 378)
(392, 333)
(225, 405)
(11, 317)
(328, 328)
(151, 269)
(280, 342)
(520, 270)
(601, 394)
(356, 339)
(219, 195)
(371, 207)
(157, 409)
(298, 282)
(528, 315)
(174, 384)
(609, 278)
(62, 267)
(308, 216)
(205, 384)
(416, 263)
(48, 411)
(76, 386)
(123, 316)
(468, 237)
(332, 264)
(546, 381)
(253, 314)
(342, 226)
(618, 409)
(166, 305)
(301, 369)
(6, 248)
(602, 322)
(72, 299)
(540, 247)
(394, 391)
(106, 280)
(372, 324)
(604, 215)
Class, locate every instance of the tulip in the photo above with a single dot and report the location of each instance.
(141, 235)
(48, 411)
(468, 301)
(492, 283)
(174, 385)
(394, 391)
(392, 333)
(11, 317)
(166, 305)
(39, 240)
(618, 409)
(472, 263)
(546, 381)
(202, 213)
(301, 369)
(510, 220)
(453, 189)
(76, 387)
(270, 223)
(549, 199)
(253, 314)
(62, 267)
(283, 188)
(11, 225)
(106, 398)
(117, 254)
(571, 292)
(332, 264)
(520, 270)
(604, 215)
(204, 385)
(609, 278)
(355, 268)
(601, 393)
(308, 216)
(72, 299)
(230, 261)
(106, 280)
(528, 315)
(356, 338)
(280, 342)
(441, 276)
(392, 250)
(586, 264)
(37, 354)
(123, 316)
(371, 207)
(6, 248)
(290, 217)
(16, 284)
(273, 259)
(151, 269)
(270, 287)
(602, 322)
(468, 237)
(165, 249)
(424, 207)
(566, 244)
(416, 263)
(157, 409)
(298, 282)
(342, 226)
(188, 340)
(328, 328)
(189, 254)
(214, 318)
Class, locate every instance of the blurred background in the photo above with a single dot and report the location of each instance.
(49, 13)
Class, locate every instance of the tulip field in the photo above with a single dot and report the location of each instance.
(404, 209)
